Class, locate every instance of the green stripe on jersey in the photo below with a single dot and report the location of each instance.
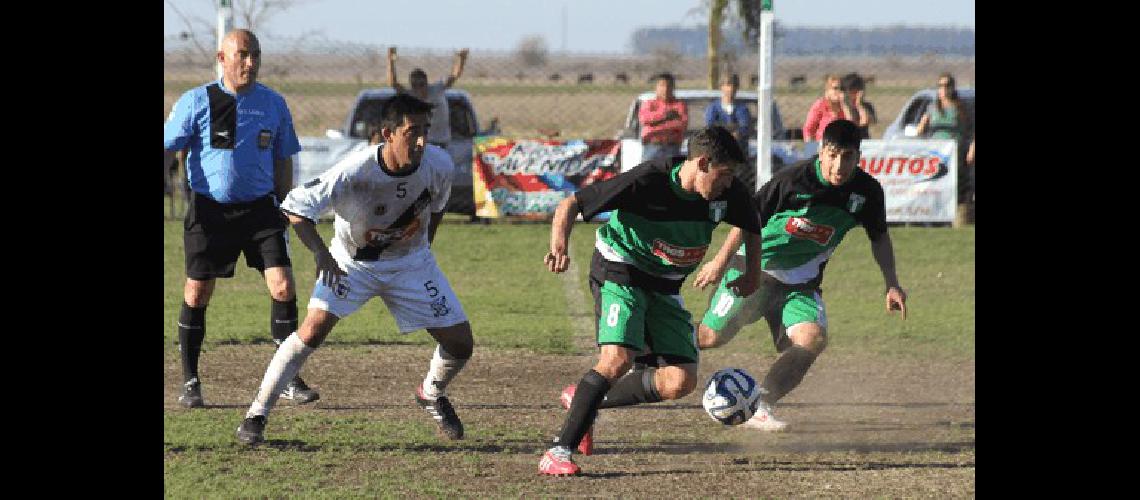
(663, 248)
(794, 237)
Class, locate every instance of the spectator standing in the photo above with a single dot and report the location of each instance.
(831, 106)
(663, 121)
(862, 112)
(730, 113)
(946, 118)
(439, 133)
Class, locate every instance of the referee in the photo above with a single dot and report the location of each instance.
(240, 138)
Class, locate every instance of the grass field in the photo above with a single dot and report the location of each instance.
(888, 410)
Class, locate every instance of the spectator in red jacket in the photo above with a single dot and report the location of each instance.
(663, 121)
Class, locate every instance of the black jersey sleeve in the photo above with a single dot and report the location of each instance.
(741, 208)
(874, 217)
(767, 200)
(613, 193)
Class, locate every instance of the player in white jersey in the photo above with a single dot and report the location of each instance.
(388, 201)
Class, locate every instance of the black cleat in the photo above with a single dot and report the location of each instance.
(443, 413)
(299, 392)
(192, 394)
(251, 429)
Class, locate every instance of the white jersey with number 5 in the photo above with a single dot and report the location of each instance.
(380, 215)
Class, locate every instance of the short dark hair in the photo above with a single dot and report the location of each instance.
(844, 134)
(400, 106)
(852, 81)
(667, 76)
(718, 144)
(417, 73)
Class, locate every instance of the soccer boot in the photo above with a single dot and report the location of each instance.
(192, 394)
(299, 392)
(557, 462)
(441, 410)
(586, 445)
(251, 429)
(764, 420)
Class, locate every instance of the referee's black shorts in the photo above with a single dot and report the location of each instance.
(215, 233)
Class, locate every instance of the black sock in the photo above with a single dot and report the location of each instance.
(191, 332)
(282, 319)
(583, 409)
(634, 388)
(786, 373)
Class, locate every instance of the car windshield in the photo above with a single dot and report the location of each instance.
(372, 109)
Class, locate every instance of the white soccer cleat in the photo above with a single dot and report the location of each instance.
(764, 420)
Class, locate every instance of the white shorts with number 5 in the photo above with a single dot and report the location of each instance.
(415, 291)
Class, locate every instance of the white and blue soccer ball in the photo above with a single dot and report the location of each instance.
(731, 396)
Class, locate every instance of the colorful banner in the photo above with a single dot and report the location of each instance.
(919, 177)
(528, 178)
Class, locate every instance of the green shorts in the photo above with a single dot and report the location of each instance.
(781, 305)
(644, 320)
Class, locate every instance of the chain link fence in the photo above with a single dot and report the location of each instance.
(530, 95)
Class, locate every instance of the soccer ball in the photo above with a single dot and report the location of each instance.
(731, 396)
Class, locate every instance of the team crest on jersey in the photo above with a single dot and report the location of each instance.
(801, 227)
(380, 209)
(439, 306)
(855, 202)
(717, 210)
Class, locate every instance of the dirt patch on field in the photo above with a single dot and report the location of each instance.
(860, 424)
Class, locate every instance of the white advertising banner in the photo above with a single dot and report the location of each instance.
(919, 177)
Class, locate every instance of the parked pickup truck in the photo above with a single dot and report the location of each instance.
(319, 153)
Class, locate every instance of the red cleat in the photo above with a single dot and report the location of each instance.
(557, 462)
(586, 446)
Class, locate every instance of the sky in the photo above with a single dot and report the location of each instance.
(598, 26)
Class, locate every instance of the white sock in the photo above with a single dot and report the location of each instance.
(286, 363)
(444, 367)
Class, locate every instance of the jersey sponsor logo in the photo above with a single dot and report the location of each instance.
(801, 227)
(384, 238)
(717, 210)
(678, 255)
(855, 202)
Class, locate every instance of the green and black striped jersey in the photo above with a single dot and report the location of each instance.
(658, 227)
(805, 219)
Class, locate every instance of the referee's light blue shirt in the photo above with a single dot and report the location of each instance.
(233, 139)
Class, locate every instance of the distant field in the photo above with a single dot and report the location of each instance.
(586, 111)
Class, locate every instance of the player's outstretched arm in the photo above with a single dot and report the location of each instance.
(327, 269)
(557, 259)
(750, 280)
(883, 251)
(712, 272)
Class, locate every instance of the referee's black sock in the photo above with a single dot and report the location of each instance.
(282, 319)
(786, 373)
(191, 332)
(583, 409)
(634, 388)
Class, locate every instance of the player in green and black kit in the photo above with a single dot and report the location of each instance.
(664, 213)
(805, 209)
